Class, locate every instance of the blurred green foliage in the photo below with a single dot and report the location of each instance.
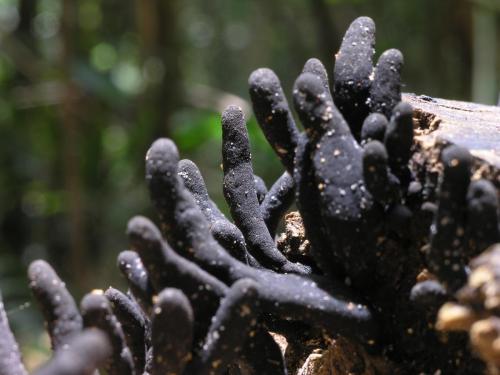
(86, 86)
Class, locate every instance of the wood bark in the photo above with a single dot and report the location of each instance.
(474, 126)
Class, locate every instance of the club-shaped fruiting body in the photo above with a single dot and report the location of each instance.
(132, 268)
(10, 356)
(172, 332)
(277, 201)
(58, 306)
(353, 71)
(97, 313)
(134, 325)
(85, 352)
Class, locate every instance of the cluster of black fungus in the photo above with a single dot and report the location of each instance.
(385, 251)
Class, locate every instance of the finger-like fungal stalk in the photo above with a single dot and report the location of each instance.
(379, 182)
(132, 268)
(482, 216)
(385, 90)
(235, 318)
(260, 188)
(445, 255)
(429, 296)
(85, 352)
(399, 139)
(277, 201)
(10, 356)
(239, 192)
(374, 128)
(172, 333)
(134, 325)
(307, 198)
(353, 71)
(273, 115)
(97, 313)
(316, 68)
(225, 232)
(60, 311)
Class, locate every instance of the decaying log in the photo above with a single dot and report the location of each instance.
(470, 125)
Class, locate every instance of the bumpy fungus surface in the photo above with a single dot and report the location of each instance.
(58, 306)
(374, 251)
(85, 352)
(10, 357)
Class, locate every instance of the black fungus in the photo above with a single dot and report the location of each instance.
(131, 267)
(385, 90)
(374, 128)
(239, 192)
(234, 321)
(10, 356)
(399, 139)
(446, 254)
(378, 179)
(172, 332)
(225, 232)
(482, 216)
(86, 352)
(273, 115)
(260, 188)
(58, 306)
(277, 201)
(97, 313)
(134, 325)
(353, 72)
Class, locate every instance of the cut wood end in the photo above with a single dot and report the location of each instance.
(470, 125)
(474, 126)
